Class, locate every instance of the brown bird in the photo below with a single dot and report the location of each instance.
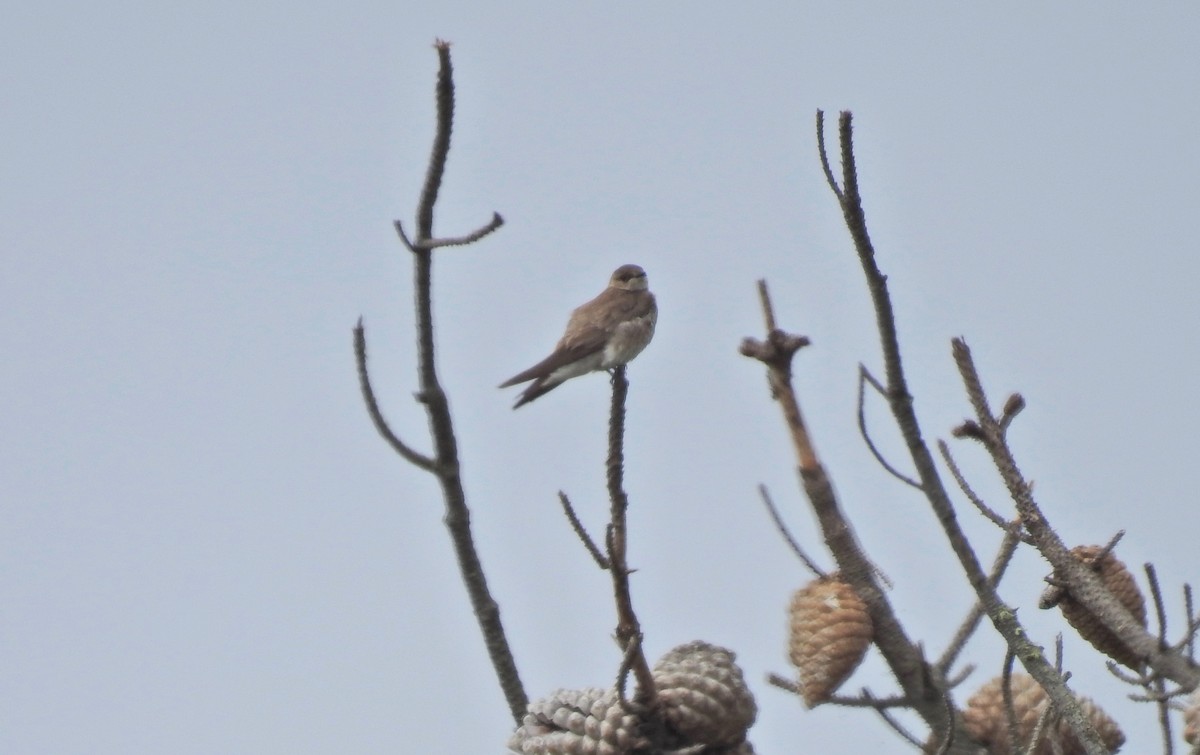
(608, 331)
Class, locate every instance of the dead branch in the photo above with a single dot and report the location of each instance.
(445, 462)
(1008, 548)
(1084, 584)
(902, 655)
(864, 377)
(629, 631)
(581, 532)
(901, 403)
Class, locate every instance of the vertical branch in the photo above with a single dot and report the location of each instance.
(441, 142)
(445, 463)
(629, 630)
(901, 403)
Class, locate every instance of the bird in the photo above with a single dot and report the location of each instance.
(604, 333)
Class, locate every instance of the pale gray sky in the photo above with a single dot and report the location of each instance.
(206, 548)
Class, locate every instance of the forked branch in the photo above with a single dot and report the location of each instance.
(444, 464)
(901, 403)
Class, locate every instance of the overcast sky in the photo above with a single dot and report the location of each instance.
(205, 547)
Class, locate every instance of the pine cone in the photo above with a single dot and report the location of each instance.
(830, 631)
(986, 721)
(1191, 719)
(704, 698)
(578, 722)
(1122, 585)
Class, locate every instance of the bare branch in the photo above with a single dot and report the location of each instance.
(629, 631)
(629, 657)
(867, 700)
(895, 725)
(902, 655)
(824, 156)
(1008, 547)
(1039, 731)
(1010, 711)
(415, 458)
(404, 239)
(470, 238)
(1189, 608)
(970, 493)
(783, 683)
(445, 463)
(581, 533)
(948, 735)
(864, 377)
(441, 142)
(1086, 587)
(787, 535)
(901, 404)
(1160, 610)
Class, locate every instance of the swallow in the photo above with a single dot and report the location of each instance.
(604, 333)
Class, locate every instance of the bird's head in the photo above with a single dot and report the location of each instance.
(628, 278)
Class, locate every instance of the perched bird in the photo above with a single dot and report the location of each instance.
(608, 331)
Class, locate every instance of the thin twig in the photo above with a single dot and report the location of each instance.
(581, 532)
(824, 156)
(441, 142)
(863, 378)
(870, 701)
(628, 658)
(787, 535)
(1008, 547)
(783, 683)
(894, 724)
(1160, 610)
(470, 238)
(968, 491)
(415, 458)
(948, 737)
(1039, 730)
(1010, 711)
(1189, 608)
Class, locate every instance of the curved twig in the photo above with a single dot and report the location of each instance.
(581, 532)
(864, 377)
(787, 535)
(896, 726)
(970, 493)
(416, 458)
(824, 157)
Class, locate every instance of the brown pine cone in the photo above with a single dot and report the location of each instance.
(986, 721)
(830, 631)
(1191, 719)
(704, 698)
(1118, 580)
